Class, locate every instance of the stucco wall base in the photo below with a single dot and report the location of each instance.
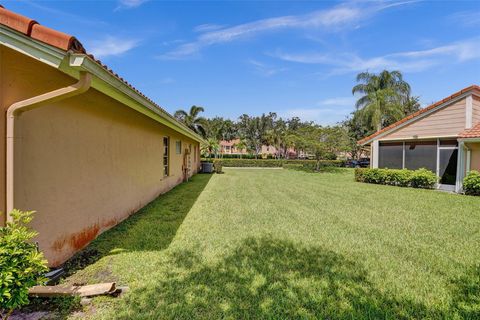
(67, 245)
(84, 163)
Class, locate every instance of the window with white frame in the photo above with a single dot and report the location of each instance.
(178, 147)
(166, 158)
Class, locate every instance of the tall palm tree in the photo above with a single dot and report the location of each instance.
(382, 96)
(192, 120)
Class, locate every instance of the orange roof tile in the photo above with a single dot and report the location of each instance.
(229, 143)
(15, 21)
(38, 32)
(60, 40)
(471, 133)
(420, 112)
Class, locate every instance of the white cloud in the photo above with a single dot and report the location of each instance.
(339, 102)
(66, 16)
(406, 61)
(322, 116)
(112, 46)
(207, 27)
(336, 18)
(128, 4)
(263, 69)
(466, 18)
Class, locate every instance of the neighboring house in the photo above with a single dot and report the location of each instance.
(443, 137)
(230, 147)
(80, 145)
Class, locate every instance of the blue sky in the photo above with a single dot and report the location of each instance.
(296, 58)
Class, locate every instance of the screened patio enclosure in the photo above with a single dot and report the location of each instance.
(439, 156)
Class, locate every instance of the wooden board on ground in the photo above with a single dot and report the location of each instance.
(81, 291)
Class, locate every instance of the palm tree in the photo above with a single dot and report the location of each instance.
(192, 120)
(241, 145)
(382, 97)
(210, 146)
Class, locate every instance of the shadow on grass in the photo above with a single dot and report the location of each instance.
(152, 228)
(273, 279)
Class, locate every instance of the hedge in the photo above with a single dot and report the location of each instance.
(276, 163)
(328, 156)
(421, 178)
(471, 183)
(238, 156)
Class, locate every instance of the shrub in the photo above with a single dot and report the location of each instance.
(374, 176)
(360, 174)
(471, 183)
(21, 264)
(421, 178)
(217, 166)
(277, 163)
(400, 178)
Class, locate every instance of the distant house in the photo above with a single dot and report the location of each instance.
(443, 137)
(80, 145)
(231, 147)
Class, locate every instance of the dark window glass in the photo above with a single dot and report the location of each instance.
(390, 155)
(448, 166)
(166, 145)
(421, 154)
(448, 143)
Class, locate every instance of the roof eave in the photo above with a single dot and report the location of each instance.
(31, 47)
(103, 80)
(420, 116)
(469, 139)
(109, 84)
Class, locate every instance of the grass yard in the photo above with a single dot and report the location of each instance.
(270, 244)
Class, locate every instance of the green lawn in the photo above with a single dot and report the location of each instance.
(256, 243)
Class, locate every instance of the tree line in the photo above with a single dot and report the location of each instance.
(382, 99)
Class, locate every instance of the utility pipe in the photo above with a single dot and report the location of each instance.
(19, 107)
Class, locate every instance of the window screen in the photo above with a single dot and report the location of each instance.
(448, 166)
(390, 155)
(421, 154)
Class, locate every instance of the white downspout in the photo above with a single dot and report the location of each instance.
(17, 108)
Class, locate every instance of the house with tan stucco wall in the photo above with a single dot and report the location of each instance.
(81, 146)
(443, 137)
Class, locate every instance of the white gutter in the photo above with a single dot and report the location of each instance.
(469, 139)
(104, 81)
(19, 107)
(112, 86)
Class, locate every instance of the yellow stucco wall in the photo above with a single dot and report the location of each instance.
(475, 156)
(84, 163)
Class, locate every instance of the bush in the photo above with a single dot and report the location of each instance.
(217, 166)
(278, 163)
(471, 183)
(21, 264)
(421, 178)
